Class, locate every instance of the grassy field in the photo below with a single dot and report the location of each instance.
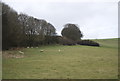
(0, 65)
(73, 62)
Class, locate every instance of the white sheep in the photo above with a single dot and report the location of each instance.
(28, 47)
(59, 50)
(41, 50)
(21, 52)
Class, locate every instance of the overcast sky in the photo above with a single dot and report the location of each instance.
(97, 19)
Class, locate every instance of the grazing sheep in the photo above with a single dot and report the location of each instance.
(59, 50)
(41, 50)
(28, 47)
(31, 47)
(36, 47)
(21, 52)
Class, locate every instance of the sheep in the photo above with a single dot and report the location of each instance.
(27, 47)
(59, 50)
(21, 52)
(41, 50)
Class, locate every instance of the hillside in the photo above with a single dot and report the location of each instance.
(110, 43)
(62, 62)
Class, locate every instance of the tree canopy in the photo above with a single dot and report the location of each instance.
(23, 30)
(71, 31)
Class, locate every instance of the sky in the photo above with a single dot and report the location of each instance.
(97, 19)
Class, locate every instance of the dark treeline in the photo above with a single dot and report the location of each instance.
(21, 30)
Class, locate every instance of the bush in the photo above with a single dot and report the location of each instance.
(51, 40)
(88, 43)
(66, 41)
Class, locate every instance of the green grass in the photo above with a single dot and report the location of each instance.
(73, 62)
(110, 43)
(0, 65)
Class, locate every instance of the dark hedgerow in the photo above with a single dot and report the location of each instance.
(88, 43)
(66, 41)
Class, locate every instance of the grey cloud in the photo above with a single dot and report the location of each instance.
(96, 20)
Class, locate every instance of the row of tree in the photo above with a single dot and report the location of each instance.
(23, 30)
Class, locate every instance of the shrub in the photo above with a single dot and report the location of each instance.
(66, 41)
(51, 40)
(88, 43)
